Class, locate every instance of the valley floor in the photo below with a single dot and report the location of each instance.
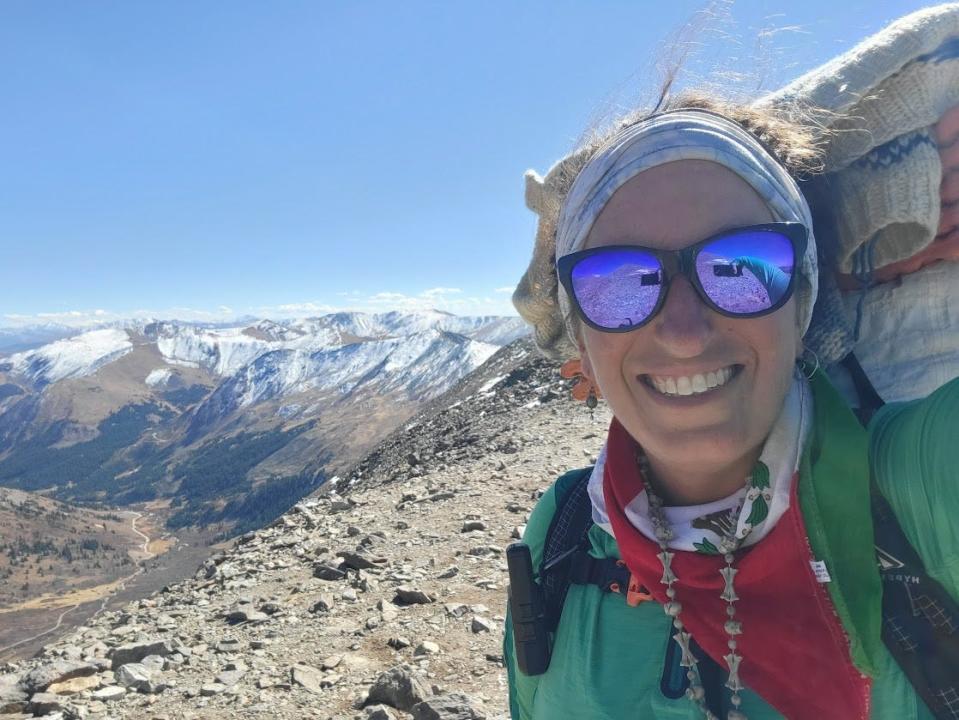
(26, 626)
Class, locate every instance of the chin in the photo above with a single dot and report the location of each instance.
(715, 445)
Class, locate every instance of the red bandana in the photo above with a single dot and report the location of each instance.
(794, 648)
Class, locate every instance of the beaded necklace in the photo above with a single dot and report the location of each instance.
(728, 545)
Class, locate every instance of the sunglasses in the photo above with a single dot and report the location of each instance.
(743, 273)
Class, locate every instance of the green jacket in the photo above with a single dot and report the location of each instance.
(607, 658)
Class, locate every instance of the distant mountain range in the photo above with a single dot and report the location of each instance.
(224, 424)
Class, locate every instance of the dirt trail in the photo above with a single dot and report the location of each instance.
(80, 597)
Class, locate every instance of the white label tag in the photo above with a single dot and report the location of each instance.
(819, 568)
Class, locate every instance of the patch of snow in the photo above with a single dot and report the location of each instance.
(158, 377)
(288, 411)
(490, 383)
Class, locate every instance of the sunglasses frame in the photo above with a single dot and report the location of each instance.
(684, 261)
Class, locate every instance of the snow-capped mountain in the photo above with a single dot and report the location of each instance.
(420, 366)
(494, 329)
(200, 414)
(69, 358)
(223, 351)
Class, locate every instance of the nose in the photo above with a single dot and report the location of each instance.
(683, 326)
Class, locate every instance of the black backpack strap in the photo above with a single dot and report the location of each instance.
(869, 400)
(919, 618)
(566, 535)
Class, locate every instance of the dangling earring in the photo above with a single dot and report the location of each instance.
(804, 363)
(584, 389)
(591, 401)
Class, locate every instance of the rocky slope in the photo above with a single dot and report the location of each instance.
(381, 597)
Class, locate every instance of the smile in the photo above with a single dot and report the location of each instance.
(691, 384)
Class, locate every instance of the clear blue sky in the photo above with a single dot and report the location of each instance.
(217, 158)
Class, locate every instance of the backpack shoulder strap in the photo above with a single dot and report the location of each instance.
(920, 619)
(567, 534)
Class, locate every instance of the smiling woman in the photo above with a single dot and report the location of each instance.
(712, 435)
(726, 552)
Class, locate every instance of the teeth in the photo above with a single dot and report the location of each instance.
(692, 385)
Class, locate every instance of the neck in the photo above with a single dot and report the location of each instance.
(679, 484)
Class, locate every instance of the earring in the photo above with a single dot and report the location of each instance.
(584, 389)
(591, 400)
(804, 363)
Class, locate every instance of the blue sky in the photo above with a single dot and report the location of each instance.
(207, 160)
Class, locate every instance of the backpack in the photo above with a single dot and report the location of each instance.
(919, 617)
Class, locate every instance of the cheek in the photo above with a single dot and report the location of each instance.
(777, 345)
(603, 356)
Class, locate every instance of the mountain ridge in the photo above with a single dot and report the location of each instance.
(114, 414)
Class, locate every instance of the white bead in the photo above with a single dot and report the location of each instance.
(729, 576)
(733, 660)
(733, 627)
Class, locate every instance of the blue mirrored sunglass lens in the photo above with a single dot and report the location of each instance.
(618, 289)
(747, 272)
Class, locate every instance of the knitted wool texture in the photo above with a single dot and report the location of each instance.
(878, 102)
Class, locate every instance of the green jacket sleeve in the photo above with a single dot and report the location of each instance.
(914, 451)
(522, 688)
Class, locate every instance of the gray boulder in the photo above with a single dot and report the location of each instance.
(408, 595)
(453, 706)
(327, 572)
(13, 698)
(378, 712)
(135, 676)
(46, 704)
(40, 678)
(398, 688)
(135, 652)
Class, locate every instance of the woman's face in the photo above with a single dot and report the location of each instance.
(669, 207)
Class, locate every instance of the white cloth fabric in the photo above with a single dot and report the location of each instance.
(909, 345)
(693, 524)
(880, 101)
(684, 135)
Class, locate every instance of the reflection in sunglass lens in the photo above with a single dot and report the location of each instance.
(747, 272)
(618, 289)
